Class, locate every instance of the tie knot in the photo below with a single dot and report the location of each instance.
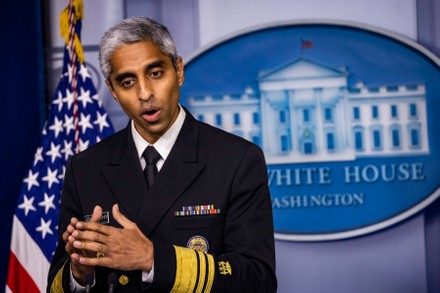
(151, 156)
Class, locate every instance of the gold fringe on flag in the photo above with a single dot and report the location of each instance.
(64, 27)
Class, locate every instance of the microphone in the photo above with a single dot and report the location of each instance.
(89, 282)
(112, 281)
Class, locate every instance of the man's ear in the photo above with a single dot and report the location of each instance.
(180, 70)
(110, 87)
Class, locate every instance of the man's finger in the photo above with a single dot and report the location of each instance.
(90, 247)
(69, 248)
(65, 236)
(93, 227)
(68, 232)
(89, 236)
(121, 219)
(95, 261)
(96, 215)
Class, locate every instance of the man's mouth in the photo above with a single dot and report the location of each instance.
(151, 115)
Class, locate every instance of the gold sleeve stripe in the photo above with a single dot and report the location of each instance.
(202, 271)
(211, 272)
(209, 276)
(57, 283)
(186, 270)
(194, 271)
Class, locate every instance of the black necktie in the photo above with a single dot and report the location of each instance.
(151, 157)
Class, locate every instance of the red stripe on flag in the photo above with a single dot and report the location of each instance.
(19, 280)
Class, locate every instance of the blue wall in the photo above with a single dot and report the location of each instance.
(21, 112)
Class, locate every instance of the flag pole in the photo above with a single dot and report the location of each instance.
(72, 63)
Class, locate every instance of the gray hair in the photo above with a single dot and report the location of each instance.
(133, 30)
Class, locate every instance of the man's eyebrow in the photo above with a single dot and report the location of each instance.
(158, 63)
(122, 76)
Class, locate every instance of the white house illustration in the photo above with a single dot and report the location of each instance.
(307, 112)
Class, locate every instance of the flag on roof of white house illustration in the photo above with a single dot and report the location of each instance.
(76, 120)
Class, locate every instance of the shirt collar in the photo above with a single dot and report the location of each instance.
(165, 143)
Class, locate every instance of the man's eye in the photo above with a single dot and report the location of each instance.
(156, 74)
(127, 83)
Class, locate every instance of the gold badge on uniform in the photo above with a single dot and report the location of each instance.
(224, 267)
(123, 280)
(198, 243)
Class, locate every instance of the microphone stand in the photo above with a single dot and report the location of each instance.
(89, 282)
(112, 281)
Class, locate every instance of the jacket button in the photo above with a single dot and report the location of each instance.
(123, 280)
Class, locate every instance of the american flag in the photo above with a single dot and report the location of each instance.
(76, 121)
(306, 44)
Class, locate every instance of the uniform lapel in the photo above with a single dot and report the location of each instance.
(179, 171)
(124, 175)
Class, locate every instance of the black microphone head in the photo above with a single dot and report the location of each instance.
(89, 279)
(112, 278)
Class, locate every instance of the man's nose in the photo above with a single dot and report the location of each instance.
(145, 90)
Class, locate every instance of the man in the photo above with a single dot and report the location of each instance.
(204, 224)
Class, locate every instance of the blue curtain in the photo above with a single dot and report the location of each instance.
(21, 106)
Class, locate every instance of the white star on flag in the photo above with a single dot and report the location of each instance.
(47, 203)
(69, 99)
(69, 72)
(101, 120)
(44, 228)
(84, 123)
(83, 72)
(85, 98)
(59, 101)
(51, 177)
(61, 176)
(96, 98)
(67, 149)
(27, 205)
(38, 156)
(54, 152)
(83, 144)
(57, 126)
(68, 124)
(31, 180)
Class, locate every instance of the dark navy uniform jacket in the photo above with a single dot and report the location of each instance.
(230, 249)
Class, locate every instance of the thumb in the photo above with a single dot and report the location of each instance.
(96, 215)
(121, 219)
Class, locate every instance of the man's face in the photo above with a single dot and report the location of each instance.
(147, 86)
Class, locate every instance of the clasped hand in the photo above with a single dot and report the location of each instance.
(124, 249)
